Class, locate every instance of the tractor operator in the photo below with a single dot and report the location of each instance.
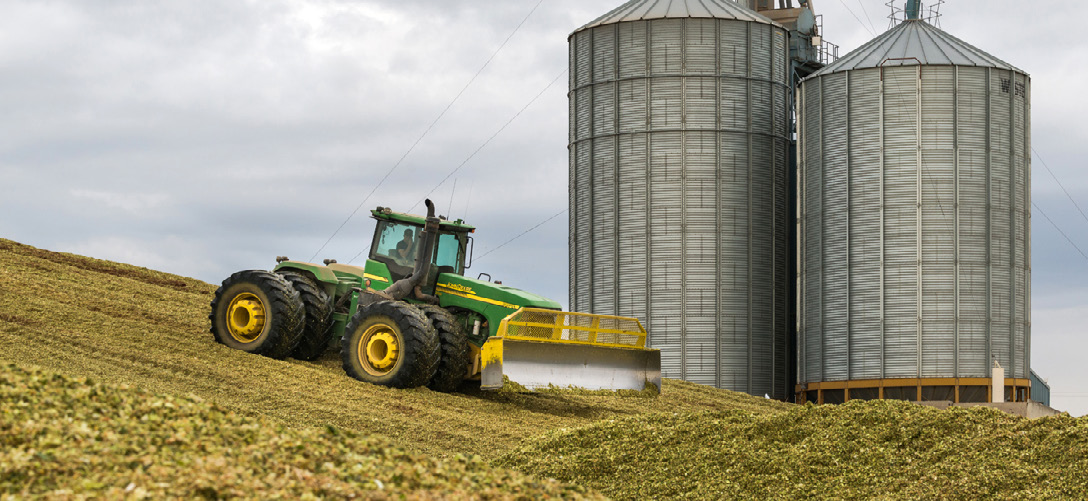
(404, 247)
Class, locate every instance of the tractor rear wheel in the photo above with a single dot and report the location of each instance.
(453, 364)
(318, 306)
(390, 343)
(257, 312)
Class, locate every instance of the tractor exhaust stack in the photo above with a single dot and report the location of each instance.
(410, 284)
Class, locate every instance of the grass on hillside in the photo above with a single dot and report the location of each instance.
(124, 324)
(72, 438)
(859, 450)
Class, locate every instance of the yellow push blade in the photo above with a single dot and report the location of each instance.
(538, 348)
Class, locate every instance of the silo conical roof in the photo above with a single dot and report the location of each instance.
(915, 42)
(641, 10)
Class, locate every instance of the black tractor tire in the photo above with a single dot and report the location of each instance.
(318, 305)
(257, 311)
(453, 343)
(390, 343)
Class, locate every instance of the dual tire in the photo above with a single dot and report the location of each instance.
(453, 344)
(258, 312)
(317, 305)
(390, 343)
(401, 345)
(272, 314)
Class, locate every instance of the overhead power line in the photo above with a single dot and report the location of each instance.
(1067, 195)
(1067, 239)
(485, 143)
(851, 11)
(504, 126)
(426, 131)
(557, 214)
(866, 12)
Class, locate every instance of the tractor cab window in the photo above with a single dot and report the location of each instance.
(450, 253)
(396, 244)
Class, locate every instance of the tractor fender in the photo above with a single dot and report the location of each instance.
(321, 273)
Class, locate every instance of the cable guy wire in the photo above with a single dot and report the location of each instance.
(851, 11)
(473, 154)
(425, 132)
(557, 214)
(1067, 239)
(1067, 195)
(454, 171)
(866, 12)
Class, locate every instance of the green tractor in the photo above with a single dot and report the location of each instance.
(410, 317)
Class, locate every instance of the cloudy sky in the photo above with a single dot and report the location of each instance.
(201, 137)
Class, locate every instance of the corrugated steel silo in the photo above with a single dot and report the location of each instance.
(915, 199)
(678, 162)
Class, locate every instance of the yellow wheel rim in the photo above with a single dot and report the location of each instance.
(246, 317)
(379, 349)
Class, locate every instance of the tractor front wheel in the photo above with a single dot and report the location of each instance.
(390, 343)
(257, 312)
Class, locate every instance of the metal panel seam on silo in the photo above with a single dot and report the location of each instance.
(989, 221)
(592, 171)
(849, 282)
(649, 179)
(1012, 224)
(918, 212)
(956, 222)
(883, 279)
(572, 155)
(774, 230)
(617, 171)
(748, 202)
(802, 258)
(1027, 227)
(823, 231)
(683, 206)
(718, 264)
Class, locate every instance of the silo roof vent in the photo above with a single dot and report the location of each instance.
(641, 10)
(911, 43)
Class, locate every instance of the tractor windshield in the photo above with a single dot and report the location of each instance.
(396, 242)
(396, 245)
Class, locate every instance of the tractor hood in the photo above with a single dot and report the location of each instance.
(490, 293)
(494, 301)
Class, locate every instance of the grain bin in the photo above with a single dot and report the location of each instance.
(915, 224)
(678, 148)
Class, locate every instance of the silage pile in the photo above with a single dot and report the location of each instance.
(860, 450)
(64, 437)
(123, 324)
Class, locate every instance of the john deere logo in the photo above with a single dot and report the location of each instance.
(458, 287)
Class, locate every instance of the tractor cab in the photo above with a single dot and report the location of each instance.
(398, 238)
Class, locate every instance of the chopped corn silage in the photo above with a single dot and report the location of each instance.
(69, 438)
(859, 450)
(124, 324)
